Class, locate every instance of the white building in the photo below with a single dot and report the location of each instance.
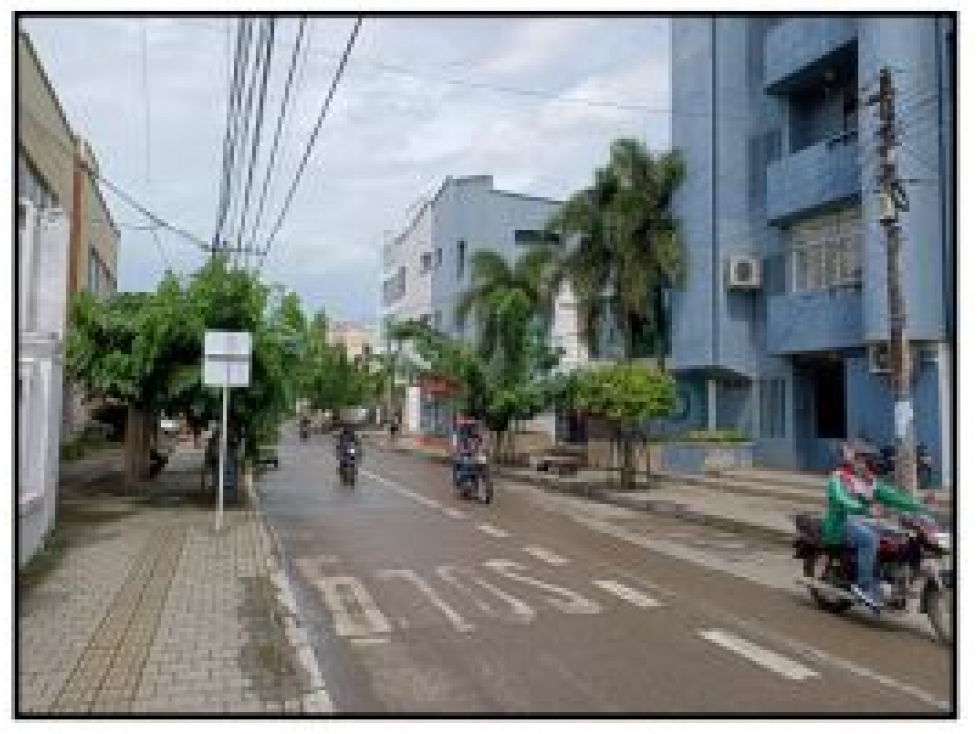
(43, 254)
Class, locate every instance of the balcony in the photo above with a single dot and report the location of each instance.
(814, 321)
(812, 179)
(799, 50)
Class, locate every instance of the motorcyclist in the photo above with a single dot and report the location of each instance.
(346, 437)
(466, 439)
(851, 493)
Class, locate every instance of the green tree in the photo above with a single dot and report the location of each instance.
(626, 250)
(508, 301)
(627, 394)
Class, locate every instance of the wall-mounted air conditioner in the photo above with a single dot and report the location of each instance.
(744, 272)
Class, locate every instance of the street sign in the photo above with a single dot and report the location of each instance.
(227, 359)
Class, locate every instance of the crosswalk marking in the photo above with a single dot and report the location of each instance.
(759, 655)
(493, 530)
(451, 614)
(629, 594)
(545, 555)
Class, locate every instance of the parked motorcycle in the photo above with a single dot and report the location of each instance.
(914, 564)
(347, 466)
(472, 478)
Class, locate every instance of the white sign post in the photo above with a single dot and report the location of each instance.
(227, 363)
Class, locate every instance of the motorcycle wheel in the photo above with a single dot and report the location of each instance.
(487, 490)
(828, 575)
(938, 604)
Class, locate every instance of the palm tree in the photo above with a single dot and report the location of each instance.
(626, 252)
(507, 300)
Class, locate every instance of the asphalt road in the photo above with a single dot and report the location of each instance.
(420, 602)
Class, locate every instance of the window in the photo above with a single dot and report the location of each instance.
(426, 262)
(826, 252)
(771, 413)
(460, 324)
(31, 186)
(529, 237)
(438, 257)
(100, 281)
(394, 287)
(461, 259)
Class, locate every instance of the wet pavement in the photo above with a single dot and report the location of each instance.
(416, 601)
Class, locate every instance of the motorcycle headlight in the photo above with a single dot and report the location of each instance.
(481, 458)
(942, 540)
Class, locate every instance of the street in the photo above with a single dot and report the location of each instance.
(417, 601)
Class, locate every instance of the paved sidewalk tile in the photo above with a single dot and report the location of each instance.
(150, 611)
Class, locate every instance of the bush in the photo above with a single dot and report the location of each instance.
(725, 435)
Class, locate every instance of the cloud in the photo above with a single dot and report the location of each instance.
(391, 136)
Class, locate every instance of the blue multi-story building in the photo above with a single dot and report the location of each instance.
(780, 329)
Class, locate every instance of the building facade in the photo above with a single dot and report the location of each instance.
(426, 268)
(780, 330)
(356, 341)
(56, 169)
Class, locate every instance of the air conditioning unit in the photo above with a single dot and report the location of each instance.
(879, 357)
(744, 272)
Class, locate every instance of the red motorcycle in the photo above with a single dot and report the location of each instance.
(914, 563)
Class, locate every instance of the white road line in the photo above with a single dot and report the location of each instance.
(454, 513)
(493, 530)
(519, 611)
(453, 616)
(759, 655)
(629, 594)
(354, 612)
(416, 496)
(545, 555)
(369, 640)
(566, 600)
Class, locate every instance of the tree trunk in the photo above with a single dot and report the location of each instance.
(136, 453)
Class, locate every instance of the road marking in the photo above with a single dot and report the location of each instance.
(630, 595)
(454, 513)
(354, 612)
(564, 599)
(402, 490)
(759, 655)
(369, 640)
(493, 530)
(545, 555)
(519, 610)
(453, 616)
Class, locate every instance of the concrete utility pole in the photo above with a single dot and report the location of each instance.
(893, 199)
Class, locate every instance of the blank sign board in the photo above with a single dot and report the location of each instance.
(227, 358)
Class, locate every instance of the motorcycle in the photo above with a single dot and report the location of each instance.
(913, 564)
(347, 466)
(472, 477)
(304, 431)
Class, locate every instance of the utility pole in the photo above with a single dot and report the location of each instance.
(893, 199)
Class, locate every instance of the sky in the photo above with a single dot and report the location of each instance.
(420, 100)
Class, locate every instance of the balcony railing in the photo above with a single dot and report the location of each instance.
(796, 50)
(814, 178)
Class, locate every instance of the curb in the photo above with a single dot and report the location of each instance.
(315, 697)
(591, 491)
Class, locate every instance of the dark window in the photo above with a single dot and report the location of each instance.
(426, 262)
(529, 237)
(829, 397)
(461, 259)
(438, 257)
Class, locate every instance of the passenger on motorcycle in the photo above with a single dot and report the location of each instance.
(851, 493)
(466, 439)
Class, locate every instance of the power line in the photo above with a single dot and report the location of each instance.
(312, 141)
(278, 129)
(118, 191)
(259, 118)
(234, 96)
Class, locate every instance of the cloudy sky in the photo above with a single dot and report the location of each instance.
(421, 100)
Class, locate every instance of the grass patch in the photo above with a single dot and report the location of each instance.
(47, 558)
(83, 445)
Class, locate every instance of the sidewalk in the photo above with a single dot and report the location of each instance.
(145, 609)
(764, 507)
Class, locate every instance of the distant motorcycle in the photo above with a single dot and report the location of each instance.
(472, 478)
(914, 564)
(347, 467)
